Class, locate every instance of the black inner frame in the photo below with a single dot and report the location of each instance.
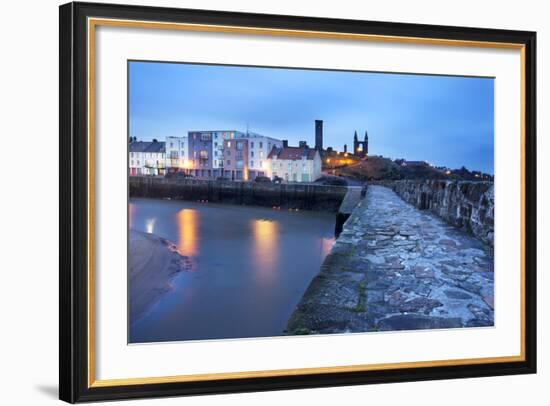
(73, 194)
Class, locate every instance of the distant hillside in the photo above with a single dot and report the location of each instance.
(380, 168)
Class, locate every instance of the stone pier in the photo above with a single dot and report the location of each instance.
(395, 267)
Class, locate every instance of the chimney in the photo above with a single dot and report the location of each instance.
(319, 135)
(345, 148)
(302, 144)
(285, 143)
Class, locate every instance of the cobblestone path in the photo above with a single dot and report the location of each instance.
(395, 267)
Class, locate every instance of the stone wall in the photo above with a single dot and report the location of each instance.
(299, 196)
(464, 204)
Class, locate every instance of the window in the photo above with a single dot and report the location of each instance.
(251, 163)
(132, 162)
(228, 162)
(206, 137)
(261, 144)
(252, 144)
(203, 154)
(171, 145)
(239, 164)
(262, 154)
(261, 164)
(138, 162)
(251, 154)
(132, 154)
(228, 152)
(216, 144)
(228, 144)
(239, 146)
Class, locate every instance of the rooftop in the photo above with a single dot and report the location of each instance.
(147, 146)
(292, 153)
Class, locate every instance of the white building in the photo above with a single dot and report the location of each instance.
(259, 147)
(177, 154)
(147, 158)
(295, 164)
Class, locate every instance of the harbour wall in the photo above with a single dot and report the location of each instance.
(295, 195)
(464, 204)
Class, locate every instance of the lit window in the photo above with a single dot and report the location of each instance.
(228, 144)
(262, 154)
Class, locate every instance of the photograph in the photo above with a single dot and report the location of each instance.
(253, 201)
(285, 201)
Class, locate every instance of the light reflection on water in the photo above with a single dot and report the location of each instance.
(188, 225)
(252, 266)
(265, 248)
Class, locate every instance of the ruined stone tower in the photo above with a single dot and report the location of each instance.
(360, 148)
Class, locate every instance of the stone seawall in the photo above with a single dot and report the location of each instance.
(299, 196)
(395, 267)
(468, 205)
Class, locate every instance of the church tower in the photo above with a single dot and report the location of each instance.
(360, 148)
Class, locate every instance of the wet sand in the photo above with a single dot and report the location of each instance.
(152, 263)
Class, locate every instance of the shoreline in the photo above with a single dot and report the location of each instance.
(152, 263)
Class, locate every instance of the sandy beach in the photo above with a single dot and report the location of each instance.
(152, 263)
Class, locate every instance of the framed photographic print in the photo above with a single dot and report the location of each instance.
(254, 202)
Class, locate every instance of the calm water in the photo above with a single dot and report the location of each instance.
(252, 266)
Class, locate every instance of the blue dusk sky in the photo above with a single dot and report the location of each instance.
(447, 121)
